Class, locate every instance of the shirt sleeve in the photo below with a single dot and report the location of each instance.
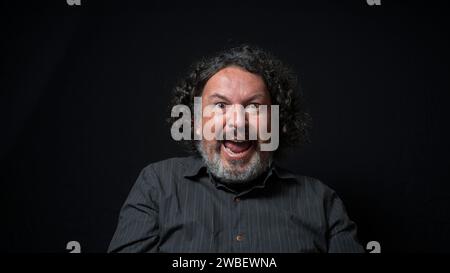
(341, 230)
(138, 230)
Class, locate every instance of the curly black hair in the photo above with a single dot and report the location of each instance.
(282, 84)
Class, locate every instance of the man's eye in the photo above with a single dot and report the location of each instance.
(252, 106)
(220, 105)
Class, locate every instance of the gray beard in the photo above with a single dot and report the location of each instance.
(255, 167)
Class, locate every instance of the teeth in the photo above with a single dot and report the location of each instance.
(230, 151)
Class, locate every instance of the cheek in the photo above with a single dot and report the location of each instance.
(263, 119)
(219, 121)
(253, 123)
(213, 124)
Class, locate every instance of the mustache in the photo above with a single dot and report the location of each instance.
(247, 133)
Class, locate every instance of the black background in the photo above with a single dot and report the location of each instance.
(85, 92)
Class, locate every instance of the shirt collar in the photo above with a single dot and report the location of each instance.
(282, 173)
(195, 167)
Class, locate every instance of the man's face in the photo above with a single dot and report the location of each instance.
(234, 160)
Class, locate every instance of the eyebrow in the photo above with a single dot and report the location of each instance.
(218, 96)
(224, 98)
(256, 96)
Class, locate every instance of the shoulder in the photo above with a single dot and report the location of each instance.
(162, 177)
(172, 165)
(307, 184)
(317, 187)
(168, 173)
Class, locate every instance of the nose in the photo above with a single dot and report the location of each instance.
(237, 121)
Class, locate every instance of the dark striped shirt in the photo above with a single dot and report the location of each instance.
(176, 206)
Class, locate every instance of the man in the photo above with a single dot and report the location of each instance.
(231, 196)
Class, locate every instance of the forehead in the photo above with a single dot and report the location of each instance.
(235, 83)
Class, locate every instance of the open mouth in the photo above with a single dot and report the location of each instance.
(237, 149)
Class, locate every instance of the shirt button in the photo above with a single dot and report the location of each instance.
(239, 237)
